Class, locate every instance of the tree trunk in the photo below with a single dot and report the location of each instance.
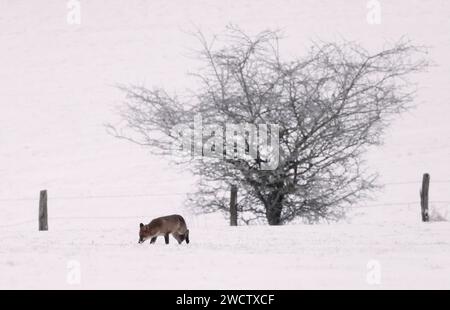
(273, 215)
(274, 208)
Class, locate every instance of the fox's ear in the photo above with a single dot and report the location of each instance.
(141, 225)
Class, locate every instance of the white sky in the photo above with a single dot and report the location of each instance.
(56, 86)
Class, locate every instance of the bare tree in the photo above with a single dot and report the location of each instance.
(329, 106)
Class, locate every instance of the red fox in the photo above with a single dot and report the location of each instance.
(163, 226)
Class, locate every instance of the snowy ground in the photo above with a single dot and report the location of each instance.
(104, 253)
(57, 92)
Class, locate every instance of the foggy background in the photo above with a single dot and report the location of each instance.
(57, 90)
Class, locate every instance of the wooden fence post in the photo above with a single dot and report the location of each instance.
(233, 206)
(424, 197)
(43, 220)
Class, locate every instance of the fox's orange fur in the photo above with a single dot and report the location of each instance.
(164, 226)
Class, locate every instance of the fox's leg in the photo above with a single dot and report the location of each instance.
(186, 236)
(153, 240)
(166, 238)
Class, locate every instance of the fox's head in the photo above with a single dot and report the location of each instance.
(145, 232)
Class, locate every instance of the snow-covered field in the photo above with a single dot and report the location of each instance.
(57, 91)
(92, 254)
